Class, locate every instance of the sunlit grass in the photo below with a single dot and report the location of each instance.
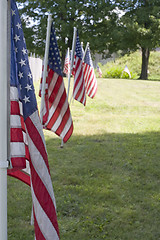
(106, 178)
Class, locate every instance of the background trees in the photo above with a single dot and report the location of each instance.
(108, 25)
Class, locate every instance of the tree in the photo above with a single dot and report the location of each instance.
(86, 15)
(139, 27)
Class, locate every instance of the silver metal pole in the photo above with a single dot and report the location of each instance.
(45, 65)
(72, 57)
(85, 51)
(3, 120)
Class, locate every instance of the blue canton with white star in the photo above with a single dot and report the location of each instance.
(54, 61)
(78, 49)
(21, 76)
(87, 58)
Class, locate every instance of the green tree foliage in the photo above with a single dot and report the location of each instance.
(125, 25)
(88, 16)
(139, 27)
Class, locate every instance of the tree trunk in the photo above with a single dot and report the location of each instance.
(145, 61)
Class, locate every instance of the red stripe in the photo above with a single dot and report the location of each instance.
(37, 140)
(15, 108)
(55, 90)
(44, 198)
(57, 111)
(19, 175)
(18, 162)
(63, 122)
(16, 135)
(67, 136)
(38, 233)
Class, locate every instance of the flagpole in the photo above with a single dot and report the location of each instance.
(45, 65)
(72, 57)
(68, 70)
(85, 51)
(3, 120)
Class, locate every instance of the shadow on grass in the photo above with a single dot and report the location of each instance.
(107, 186)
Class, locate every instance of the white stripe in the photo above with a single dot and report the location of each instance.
(67, 127)
(61, 114)
(52, 84)
(40, 165)
(55, 103)
(17, 149)
(13, 93)
(43, 221)
(36, 121)
(15, 121)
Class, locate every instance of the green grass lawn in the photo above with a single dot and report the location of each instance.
(106, 179)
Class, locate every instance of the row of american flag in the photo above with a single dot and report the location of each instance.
(28, 154)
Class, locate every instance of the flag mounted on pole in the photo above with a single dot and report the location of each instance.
(67, 63)
(89, 75)
(56, 112)
(79, 92)
(25, 116)
(99, 71)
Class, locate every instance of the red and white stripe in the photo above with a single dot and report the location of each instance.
(90, 80)
(19, 155)
(67, 63)
(56, 115)
(44, 207)
(79, 92)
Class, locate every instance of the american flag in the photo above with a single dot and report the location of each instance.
(89, 75)
(99, 71)
(79, 92)
(26, 130)
(56, 112)
(67, 63)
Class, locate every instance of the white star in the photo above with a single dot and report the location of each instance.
(13, 12)
(29, 87)
(20, 87)
(30, 75)
(22, 62)
(18, 25)
(24, 50)
(26, 99)
(24, 40)
(17, 38)
(16, 50)
(20, 75)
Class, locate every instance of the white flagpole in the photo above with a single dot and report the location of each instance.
(45, 65)
(3, 120)
(68, 69)
(85, 51)
(72, 56)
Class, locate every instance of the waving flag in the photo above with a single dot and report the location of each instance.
(57, 116)
(27, 133)
(89, 75)
(99, 71)
(79, 92)
(67, 63)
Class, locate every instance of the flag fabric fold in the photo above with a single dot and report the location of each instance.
(79, 92)
(99, 71)
(56, 112)
(67, 63)
(89, 75)
(27, 139)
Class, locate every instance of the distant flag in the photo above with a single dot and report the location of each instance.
(27, 137)
(79, 92)
(127, 71)
(67, 63)
(99, 71)
(89, 75)
(57, 115)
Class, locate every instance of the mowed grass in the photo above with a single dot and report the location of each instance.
(106, 178)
